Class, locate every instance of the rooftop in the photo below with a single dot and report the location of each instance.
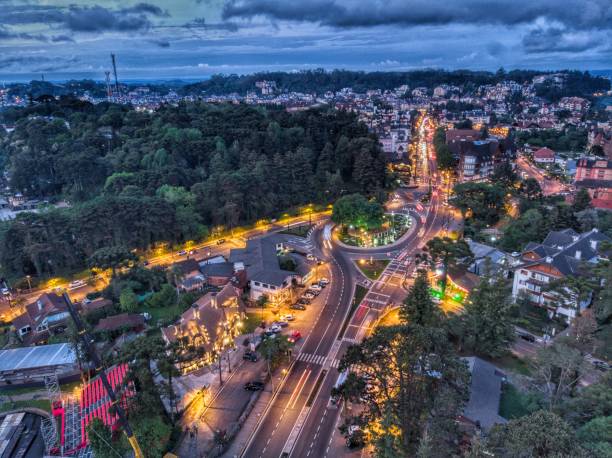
(34, 357)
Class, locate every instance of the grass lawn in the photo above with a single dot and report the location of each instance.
(161, 313)
(514, 404)
(253, 319)
(300, 231)
(43, 404)
(373, 269)
(512, 363)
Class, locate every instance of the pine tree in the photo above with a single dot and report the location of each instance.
(418, 307)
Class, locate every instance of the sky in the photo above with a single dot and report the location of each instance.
(156, 39)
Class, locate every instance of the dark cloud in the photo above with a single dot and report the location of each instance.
(200, 23)
(579, 14)
(554, 39)
(6, 34)
(62, 39)
(161, 43)
(37, 63)
(84, 18)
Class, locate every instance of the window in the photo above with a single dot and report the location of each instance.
(24, 330)
(256, 283)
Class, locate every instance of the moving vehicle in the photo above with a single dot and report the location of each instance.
(253, 386)
(341, 379)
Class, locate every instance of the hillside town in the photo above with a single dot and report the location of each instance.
(196, 274)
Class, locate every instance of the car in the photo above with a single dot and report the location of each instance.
(287, 317)
(315, 287)
(220, 241)
(250, 356)
(298, 306)
(311, 257)
(308, 296)
(182, 253)
(527, 337)
(323, 282)
(601, 365)
(282, 324)
(295, 336)
(76, 284)
(303, 301)
(6, 292)
(253, 386)
(314, 292)
(194, 251)
(145, 263)
(274, 329)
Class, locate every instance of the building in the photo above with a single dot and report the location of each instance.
(544, 156)
(561, 254)
(485, 393)
(489, 260)
(207, 328)
(595, 175)
(261, 259)
(48, 315)
(477, 159)
(29, 365)
(124, 321)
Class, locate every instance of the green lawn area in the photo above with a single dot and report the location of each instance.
(360, 293)
(373, 269)
(43, 404)
(514, 404)
(512, 363)
(253, 319)
(300, 230)
(161, 313)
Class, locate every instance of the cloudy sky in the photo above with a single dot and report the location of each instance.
(156, 39)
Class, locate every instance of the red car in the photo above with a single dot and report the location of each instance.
(295, 336)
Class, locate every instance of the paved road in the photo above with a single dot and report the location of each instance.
(286, 409)
(549, 187)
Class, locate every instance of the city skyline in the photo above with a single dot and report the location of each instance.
(195, 39)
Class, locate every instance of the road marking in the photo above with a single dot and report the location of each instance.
(298, 387)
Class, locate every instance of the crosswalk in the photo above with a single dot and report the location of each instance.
(312, 359)
(318, 359)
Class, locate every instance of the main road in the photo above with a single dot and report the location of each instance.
(300, 421)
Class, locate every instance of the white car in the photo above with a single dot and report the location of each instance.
(308, 296)
(287, 317)
(6, 292)
(311, 257)
(315, 287)
(323, 281)
(275, 329)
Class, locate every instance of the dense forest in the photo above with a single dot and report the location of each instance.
(134, 178)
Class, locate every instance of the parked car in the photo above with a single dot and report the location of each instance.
(282, 324)
(323, 282)
(311, 257)
(295, 336)
(527, 337)
(250, 356)
(182, 253)
(314, 292)
(601, 365)
(253, 386)
(308, 296)
(315, 287)
(6, 292)
(298, 306)
(220, 241)
(287, 317)
(274, 328)
(303, 301)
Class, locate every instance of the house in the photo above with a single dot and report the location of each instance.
(261, 259)
(124, 321)
(207, 328)
(97, 305)
(489, 260)
(218, 273)
(595, 175)
(49, 314)
(188, 275)
(544, 156)
(558, 256)
(485, 393)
